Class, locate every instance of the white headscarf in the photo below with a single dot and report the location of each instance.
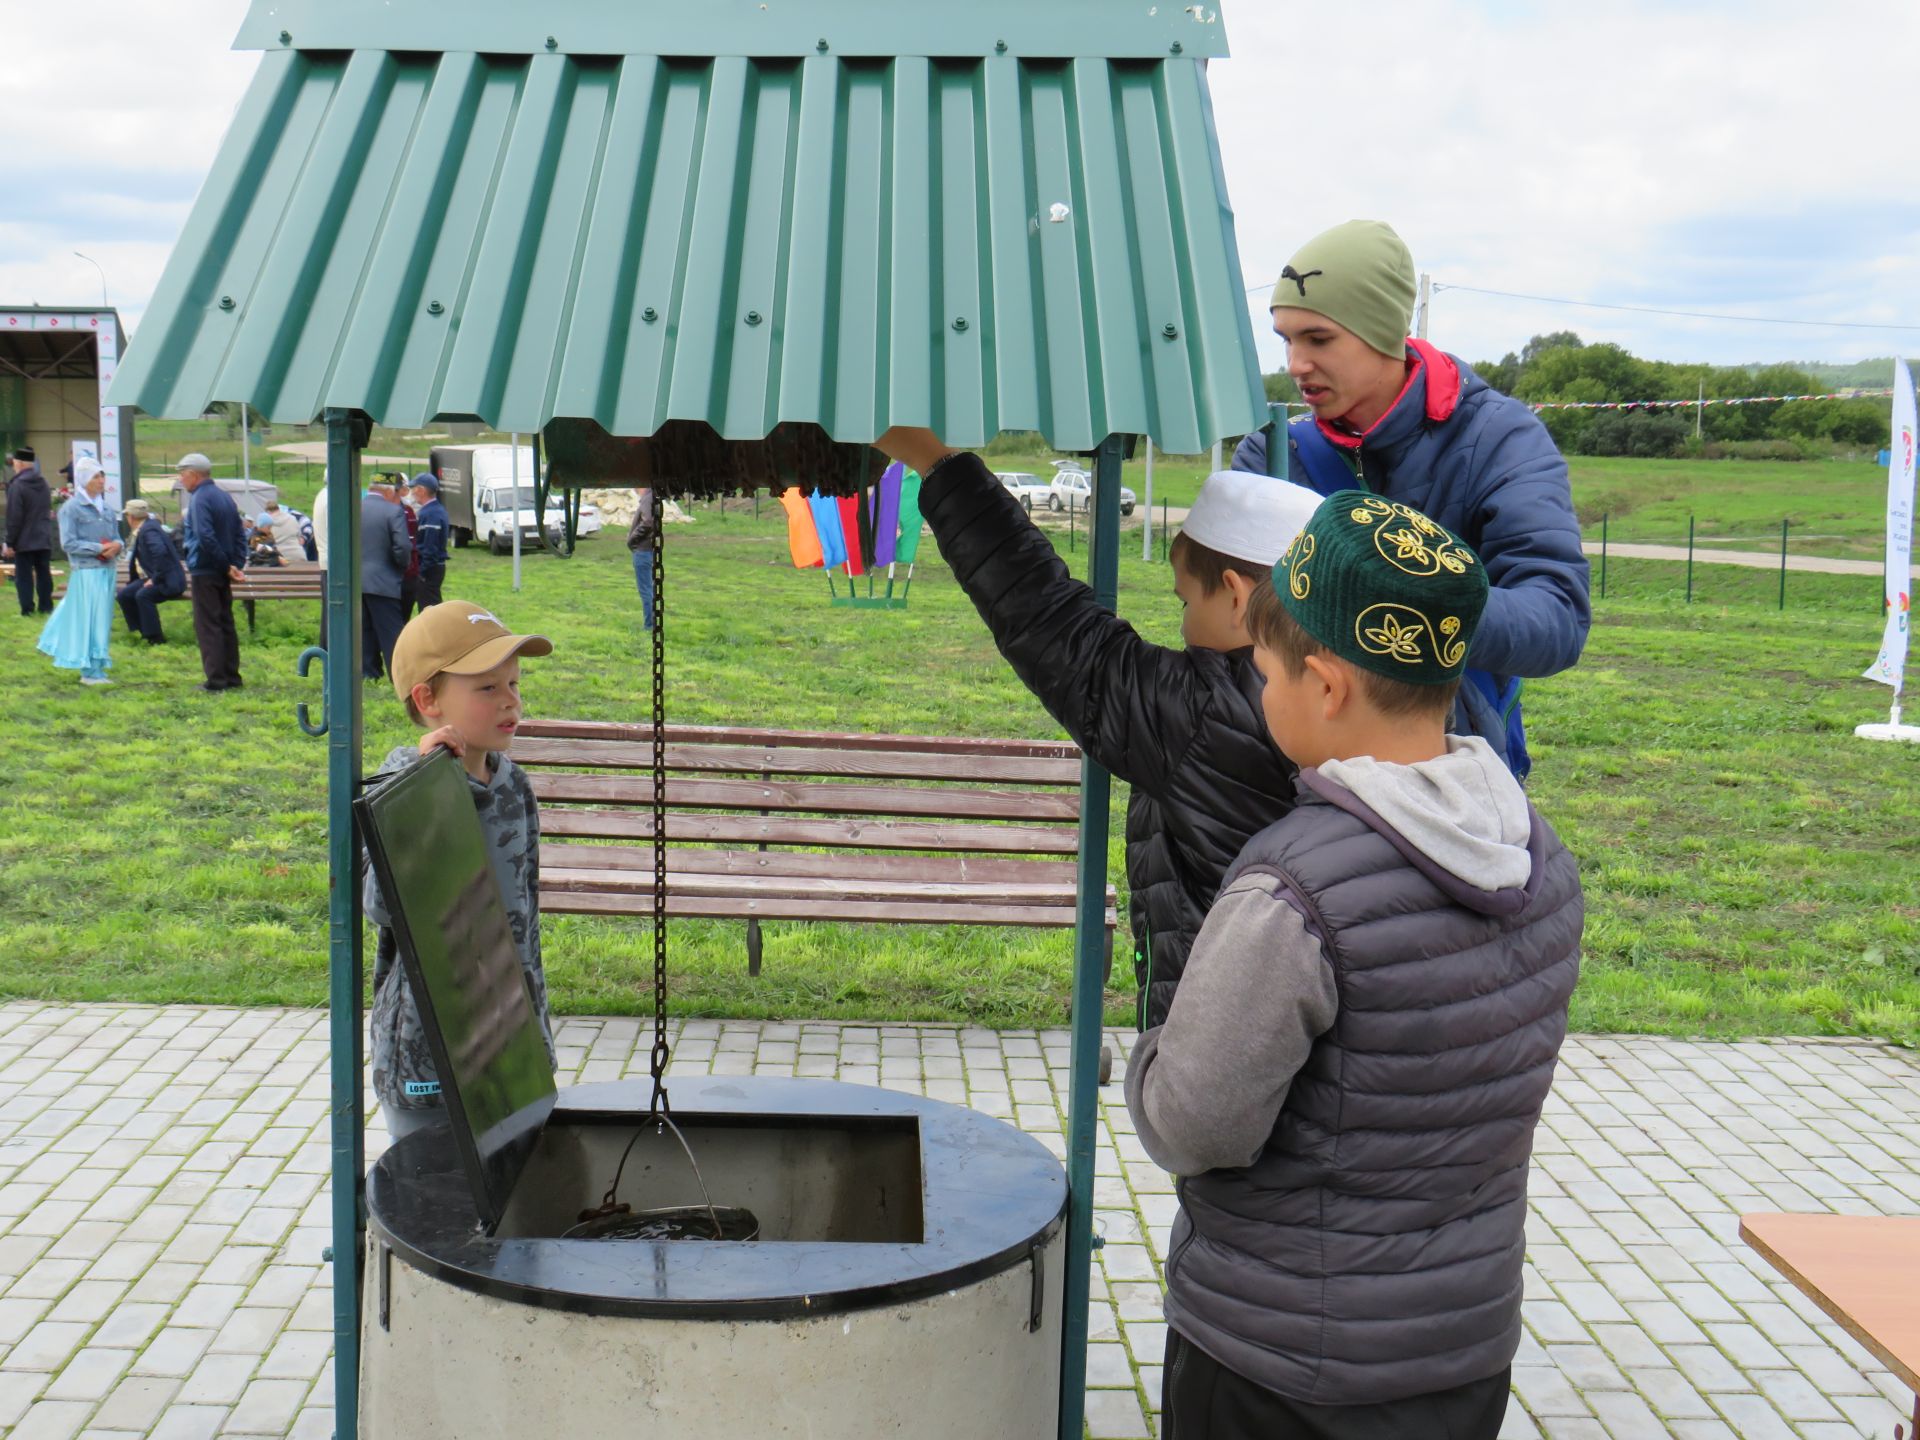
(84, 470)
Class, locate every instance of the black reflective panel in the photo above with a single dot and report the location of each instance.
(456, 944)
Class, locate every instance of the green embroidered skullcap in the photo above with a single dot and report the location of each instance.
(1384, 587)
(1360, 276)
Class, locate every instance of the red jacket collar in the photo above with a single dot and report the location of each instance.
(1443, 391)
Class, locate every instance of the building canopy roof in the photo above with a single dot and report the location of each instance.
(748, 213)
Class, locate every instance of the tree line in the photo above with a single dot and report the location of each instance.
(1561, 366)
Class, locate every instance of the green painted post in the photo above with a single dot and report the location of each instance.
(1603, 557)
(344, 966)
(1783, 564)
(1689, 559)
(1089, 975)
(1279, 461)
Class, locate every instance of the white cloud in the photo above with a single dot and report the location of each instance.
(1726, 157)
(1632, 153)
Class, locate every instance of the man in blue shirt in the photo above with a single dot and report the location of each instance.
(216, 551)
(434, 523)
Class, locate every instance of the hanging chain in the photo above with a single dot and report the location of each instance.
(659, 1105)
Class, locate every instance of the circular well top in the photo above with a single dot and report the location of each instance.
(990, 1194)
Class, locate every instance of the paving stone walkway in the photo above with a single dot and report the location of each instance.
(163, 1208)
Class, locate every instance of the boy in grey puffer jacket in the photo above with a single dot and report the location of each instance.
(1350, 1075)
(457, 670)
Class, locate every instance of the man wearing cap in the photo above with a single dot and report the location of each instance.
(282, 526)
(154, 574)
(386, 549)
(1406, 421)
(216, 552)
(430, 545)
(29, 542)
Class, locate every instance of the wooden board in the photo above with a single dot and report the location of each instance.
(844, 912)
(803, 864)
(810, 739)
(944, 802)
(797, 760)
(775, 830)
(1863, 1270)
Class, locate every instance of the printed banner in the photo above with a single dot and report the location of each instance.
(1891, 667)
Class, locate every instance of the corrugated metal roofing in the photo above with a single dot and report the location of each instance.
(975, 244)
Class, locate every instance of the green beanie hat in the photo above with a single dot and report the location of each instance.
(1384, 587)
(1359, 275)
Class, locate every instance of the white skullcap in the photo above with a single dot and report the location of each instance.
(1248, 516)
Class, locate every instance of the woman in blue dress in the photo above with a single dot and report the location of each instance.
(76, 633)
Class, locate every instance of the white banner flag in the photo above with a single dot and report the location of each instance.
(1890, 668)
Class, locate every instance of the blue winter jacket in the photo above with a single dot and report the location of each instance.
(215, 538)
(153, 558)
(83, 530)
(1483, 465)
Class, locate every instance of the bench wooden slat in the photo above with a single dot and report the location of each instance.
(771, 760)
(640, 882)
(941, 802)
(775, 830)
(967, 912)
(811, 739)
(777, 864)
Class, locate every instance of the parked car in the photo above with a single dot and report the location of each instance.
(1076, 487)
(1030, 490)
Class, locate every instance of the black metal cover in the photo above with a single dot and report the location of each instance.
(430, 856)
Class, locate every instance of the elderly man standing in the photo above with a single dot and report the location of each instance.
(216, 551)
(1413, 424)
(385, 552)
(154, 574)
(29, 541)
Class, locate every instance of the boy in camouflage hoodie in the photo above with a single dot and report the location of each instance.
(457, 670)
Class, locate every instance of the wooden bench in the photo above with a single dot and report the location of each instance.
(295, 580)
(803, 825)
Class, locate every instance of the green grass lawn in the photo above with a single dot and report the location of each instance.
(1834, 508)
(1749, 864)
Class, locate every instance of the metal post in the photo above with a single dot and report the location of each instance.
(515, 453)
(246, 446)
(1089, 976)
(1071, 545)
(1278, 460)
(1146, 538)
(1689, 559)
(344, 962)
(1783, 564)
(1426, 298)
(1164, 541)
(1216, 457)
(1700, 410)
(1603, 557)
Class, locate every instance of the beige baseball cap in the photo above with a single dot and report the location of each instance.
(456, 637)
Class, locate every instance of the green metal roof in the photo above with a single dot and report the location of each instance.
(979, 242)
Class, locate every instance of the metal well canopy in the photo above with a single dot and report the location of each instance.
(514, 214)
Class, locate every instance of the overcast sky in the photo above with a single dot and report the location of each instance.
(1753, 157)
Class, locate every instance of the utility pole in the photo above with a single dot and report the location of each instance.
(1700, 410)
(246, 449)
(1426, 296)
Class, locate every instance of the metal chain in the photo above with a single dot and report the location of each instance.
(659, 1105)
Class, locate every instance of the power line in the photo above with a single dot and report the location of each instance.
(1689, 314)
(1653, 309)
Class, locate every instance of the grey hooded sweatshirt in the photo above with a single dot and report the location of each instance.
(1349, 1078)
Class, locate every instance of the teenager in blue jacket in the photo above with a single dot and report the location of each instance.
(1411, 423)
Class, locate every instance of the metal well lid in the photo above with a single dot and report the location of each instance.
(456, 944)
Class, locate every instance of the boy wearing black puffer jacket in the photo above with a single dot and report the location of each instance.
(1182, 727)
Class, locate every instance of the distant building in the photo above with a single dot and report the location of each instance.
(56, 362)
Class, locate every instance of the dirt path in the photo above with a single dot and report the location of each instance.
(1750, 559)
